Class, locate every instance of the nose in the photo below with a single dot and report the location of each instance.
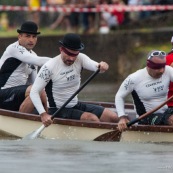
(72, 58)
(161, 70)
(32, 39)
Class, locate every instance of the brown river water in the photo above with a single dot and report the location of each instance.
(58, 156)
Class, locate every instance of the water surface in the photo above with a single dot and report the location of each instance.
(42, 156)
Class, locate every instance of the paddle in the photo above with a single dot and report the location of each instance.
(37, 132)
(116, 134)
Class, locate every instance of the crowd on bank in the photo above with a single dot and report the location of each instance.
(105, 21)
(88, 22)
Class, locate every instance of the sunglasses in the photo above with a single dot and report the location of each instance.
(157, 53)
(69, 53)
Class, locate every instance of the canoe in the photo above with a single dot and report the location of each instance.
(18, 125)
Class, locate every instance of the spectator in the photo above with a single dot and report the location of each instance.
(63, 19)
(89, 18)
(34, 15)
(134, 15)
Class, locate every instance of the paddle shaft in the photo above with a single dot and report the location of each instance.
(80, 88)
(148, 113)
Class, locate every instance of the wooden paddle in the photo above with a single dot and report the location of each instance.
(36, 133)
(116, 134)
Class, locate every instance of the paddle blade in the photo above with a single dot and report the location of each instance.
(35, 134)
(109, 136)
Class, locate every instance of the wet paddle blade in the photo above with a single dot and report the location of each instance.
(35, 134)
(109, 136)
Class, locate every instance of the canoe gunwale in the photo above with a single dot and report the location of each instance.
(32, 117)
(20, 115)
(151, 128)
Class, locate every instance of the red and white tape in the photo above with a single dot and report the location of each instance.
(98, 8)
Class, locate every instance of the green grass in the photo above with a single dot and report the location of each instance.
(44, 32)
(9, 33)
(165, 47)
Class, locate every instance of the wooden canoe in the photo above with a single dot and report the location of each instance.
(15, 124)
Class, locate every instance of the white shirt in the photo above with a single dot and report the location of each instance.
(18, 66)
(147, 92)
(61, 81)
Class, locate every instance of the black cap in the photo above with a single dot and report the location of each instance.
(72, 41)
(28, 27)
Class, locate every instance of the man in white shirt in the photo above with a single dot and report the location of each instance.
(149, 88)
(18, 69)
(61, 77)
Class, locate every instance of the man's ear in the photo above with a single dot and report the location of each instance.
(19, 36)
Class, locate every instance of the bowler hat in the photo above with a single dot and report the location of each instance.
(28, 27)
(72, 41)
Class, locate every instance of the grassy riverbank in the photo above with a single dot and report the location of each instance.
(44, 31)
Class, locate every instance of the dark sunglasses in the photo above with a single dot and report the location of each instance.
(157, 53)
(69, 53)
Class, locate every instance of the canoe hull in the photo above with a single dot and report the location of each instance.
(145, 137)
(22, 127)
(15, 124)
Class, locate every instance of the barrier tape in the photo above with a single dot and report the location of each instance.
(98, 8)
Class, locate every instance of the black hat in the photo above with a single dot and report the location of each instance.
(72, 41)
(28, 27)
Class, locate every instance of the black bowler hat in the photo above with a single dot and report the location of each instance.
(28, 27)
(72, 41)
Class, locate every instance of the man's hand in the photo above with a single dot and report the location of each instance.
(46, 119)
(103, 66)
(122, 124)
